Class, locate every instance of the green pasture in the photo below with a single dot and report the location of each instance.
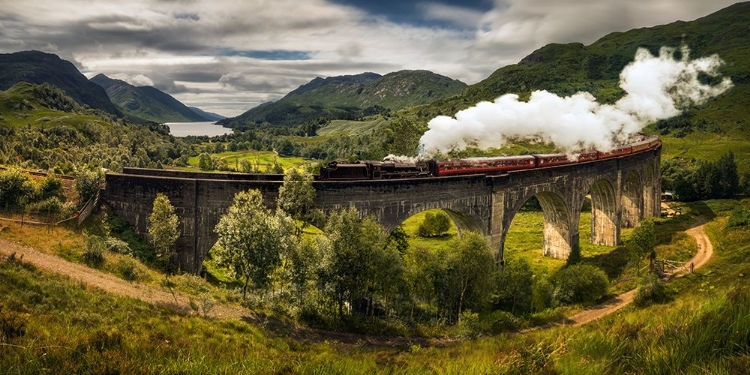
(264, 158)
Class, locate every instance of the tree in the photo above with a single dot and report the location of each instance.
(729, 178)
(88, 182)
(421, 266)
(513, 287)
(246, 166)
(252, 241)
(205, 162)
(357, 265)
(163, 229)
(296, 195)
(642, 242)
(470, 269)
(399, 239)
(16, 188)
(434, 224)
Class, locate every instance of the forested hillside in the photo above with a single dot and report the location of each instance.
(565, 69)
(42, 127)
(350, 97)
(146, 102)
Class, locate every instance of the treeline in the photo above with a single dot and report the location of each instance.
(60, 148)
(692, 180)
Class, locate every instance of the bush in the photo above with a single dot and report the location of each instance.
(129, 270)
(580, 283)
(434, 225)
(116, 245)
(651, 290)
(94, 254)
(541, 295)
(12, 324)
(740, 218)
(16, 188)
(499, 321)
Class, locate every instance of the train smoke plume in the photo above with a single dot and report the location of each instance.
(656, 88)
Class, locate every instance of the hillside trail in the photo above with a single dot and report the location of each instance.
(181, 303)
(704, 253)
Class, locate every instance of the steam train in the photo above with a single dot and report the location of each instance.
(375, 170)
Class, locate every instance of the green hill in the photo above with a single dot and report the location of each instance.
(565, 69)
(351, 97)
(43, 105)
(39, 67)
(41, 127)
(146, 102)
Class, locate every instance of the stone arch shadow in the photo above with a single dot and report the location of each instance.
(560, 237)
(604, 221)
(631, 199)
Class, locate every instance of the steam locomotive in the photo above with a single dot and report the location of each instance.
(375, 170)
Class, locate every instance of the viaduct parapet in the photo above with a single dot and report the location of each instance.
(622, 190)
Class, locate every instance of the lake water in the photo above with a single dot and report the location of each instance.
(184, 129)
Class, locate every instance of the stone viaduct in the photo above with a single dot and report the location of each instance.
(622, 190)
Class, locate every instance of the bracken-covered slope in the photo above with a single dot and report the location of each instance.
(569, 68)
(705, 132)
(38, 67)
(350, 97)
(146, 102)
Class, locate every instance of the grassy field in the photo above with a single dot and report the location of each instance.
(264, 158)
(52, 324)
(708, 146)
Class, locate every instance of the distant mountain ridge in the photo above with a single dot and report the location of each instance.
(146, 102)
(208, 115)
(38, 67)
(351, 96)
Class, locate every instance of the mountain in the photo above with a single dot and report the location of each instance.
(718, 126)
(565, 69)
(146, 102)
(38, 67)
(208, 115)
(350, 97)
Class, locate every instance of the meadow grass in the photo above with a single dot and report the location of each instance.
(54, 324)
(265, 158)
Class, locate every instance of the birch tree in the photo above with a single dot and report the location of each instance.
(163, 229)
(252, 240)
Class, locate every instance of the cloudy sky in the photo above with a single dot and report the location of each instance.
(227, 56)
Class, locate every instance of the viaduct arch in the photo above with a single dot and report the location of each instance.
(622, 190)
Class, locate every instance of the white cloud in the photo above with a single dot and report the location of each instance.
(166, 42)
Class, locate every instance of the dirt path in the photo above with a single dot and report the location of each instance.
(705, 252)
(158, 296)
(111, 283)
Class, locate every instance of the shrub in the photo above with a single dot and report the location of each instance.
(12, 324)
(129, 270)
(740, 218)
(580, 283)
(651, 290)
(116, 245)
(541, 295)
(94, 253)
(499, 321)
(434, 225)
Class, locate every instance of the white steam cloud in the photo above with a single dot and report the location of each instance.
(655, 88)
